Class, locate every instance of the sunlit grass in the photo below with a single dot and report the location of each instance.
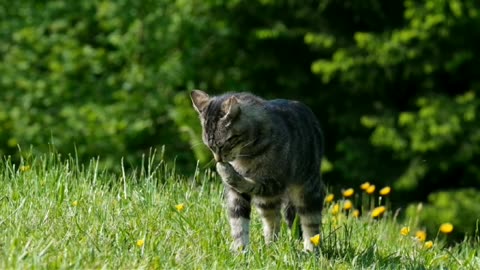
(56, 214)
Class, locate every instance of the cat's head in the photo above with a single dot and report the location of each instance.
(226, 129)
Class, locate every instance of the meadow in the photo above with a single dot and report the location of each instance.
(58, 214)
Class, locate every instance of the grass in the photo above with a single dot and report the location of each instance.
(57, 214)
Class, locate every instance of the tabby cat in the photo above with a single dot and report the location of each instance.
(268, 153)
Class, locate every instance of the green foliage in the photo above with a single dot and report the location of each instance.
(189, 126)
(90, 75)
(414, 87)
(58, 215)
(439, 125)
(459, 207)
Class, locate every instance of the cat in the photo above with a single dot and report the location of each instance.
(267, 153)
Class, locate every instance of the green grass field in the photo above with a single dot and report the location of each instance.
(59, 215)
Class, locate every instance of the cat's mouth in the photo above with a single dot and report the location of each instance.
(223, 158)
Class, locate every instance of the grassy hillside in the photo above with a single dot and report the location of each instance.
(56, 214)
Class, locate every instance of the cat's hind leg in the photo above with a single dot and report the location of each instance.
(308, 201)
(239, 209)
(289, 213)
(269, 209)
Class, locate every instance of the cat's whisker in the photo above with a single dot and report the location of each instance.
(243, 155)
(210, 163)
(247, 144)
(196, 145)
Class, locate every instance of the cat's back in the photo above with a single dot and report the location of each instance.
(292, 111)
(284, 105)
(295, 125)
(299, 130)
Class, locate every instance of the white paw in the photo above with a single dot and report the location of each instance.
(227, 172)
(223, 169)
(308, 246)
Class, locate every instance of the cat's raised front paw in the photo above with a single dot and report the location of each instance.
(229, 176)
(225, 170)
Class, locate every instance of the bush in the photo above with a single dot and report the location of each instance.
(89, 77)
(411, 101)
(459, 207)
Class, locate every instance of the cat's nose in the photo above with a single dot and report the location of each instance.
(218, 158)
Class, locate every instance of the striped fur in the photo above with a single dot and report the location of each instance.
(268, 153)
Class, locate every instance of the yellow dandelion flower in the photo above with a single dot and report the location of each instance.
(74, 203)
(421, 236)
(385, 191)
(24, 168)
(370, 189)
(348, 193)
(356, 213)
(378, 211)
(347, 205)
(180, 207)
(446, 228)
(428, 245)
(329, 198)
(405, 231)
(365, 185)
(335, 209)
(315, 240)
(140, 243)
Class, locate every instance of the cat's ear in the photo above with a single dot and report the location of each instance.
(231, 107)
(200, 100)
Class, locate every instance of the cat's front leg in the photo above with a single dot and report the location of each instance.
(269, 210)
(261, 186)
(233, 179)
(238, 209)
